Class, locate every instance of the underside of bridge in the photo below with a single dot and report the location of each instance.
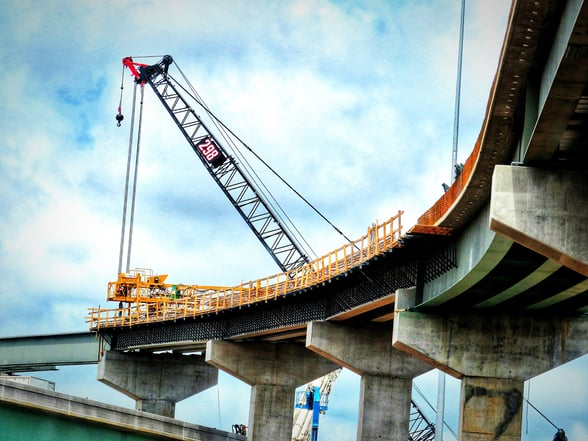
(364, 295)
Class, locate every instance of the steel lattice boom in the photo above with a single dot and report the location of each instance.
(224, 169)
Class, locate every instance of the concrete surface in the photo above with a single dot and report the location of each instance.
(31, 413)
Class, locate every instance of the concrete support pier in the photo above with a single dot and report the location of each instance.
(386, 375)
(273, 370)
(544, 210)
(156, 381)
(493, 355)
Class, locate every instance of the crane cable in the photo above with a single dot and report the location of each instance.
(560, 434)
(543, 415)
(263, 162)
(223, 130)
(194, 95)
(445, 424)
(217, 121)
(119, 118)
(126, 194)
(135, 180)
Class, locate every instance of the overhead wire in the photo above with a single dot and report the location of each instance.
(417, 389)
(131, 222)
(252, 174)
(216, 120)
(126, 194)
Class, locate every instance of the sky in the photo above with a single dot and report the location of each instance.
(351, 102)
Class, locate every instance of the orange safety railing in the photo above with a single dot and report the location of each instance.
(150, 300)
(434, 214)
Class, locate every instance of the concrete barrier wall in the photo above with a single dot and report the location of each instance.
(31, 413)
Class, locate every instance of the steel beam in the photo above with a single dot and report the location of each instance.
(45, 352)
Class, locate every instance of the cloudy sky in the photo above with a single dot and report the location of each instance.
(351, 102)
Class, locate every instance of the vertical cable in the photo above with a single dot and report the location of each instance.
(527, 410)
(457, 94)
(218, 403)
(440, 416)
(135, 180)
(124, 216)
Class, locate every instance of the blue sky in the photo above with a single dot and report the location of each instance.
(352, 102)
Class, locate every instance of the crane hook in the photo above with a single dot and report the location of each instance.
(119, 118)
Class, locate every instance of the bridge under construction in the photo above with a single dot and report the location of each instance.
(490, 285)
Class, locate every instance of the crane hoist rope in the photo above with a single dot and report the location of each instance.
(119, 118)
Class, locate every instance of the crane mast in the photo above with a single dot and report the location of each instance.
(224, 169)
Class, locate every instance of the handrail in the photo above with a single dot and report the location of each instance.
(157, 302)
(434, 214)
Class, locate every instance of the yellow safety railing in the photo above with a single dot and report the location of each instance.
(148, 299)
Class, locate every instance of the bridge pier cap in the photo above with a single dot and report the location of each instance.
(386, 375)
(543, 210)
(273, 370)
(493, 355)
(492, 346)
(156, 381)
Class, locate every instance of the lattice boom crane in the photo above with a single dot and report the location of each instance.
(224, 169)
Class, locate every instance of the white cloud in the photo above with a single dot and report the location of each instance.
(351, 102)
(577, 431)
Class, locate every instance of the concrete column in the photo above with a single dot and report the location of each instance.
(491, 409)
(156, 381)
(273, 370)
(386, 375)
(493, 355)
(544, 210)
